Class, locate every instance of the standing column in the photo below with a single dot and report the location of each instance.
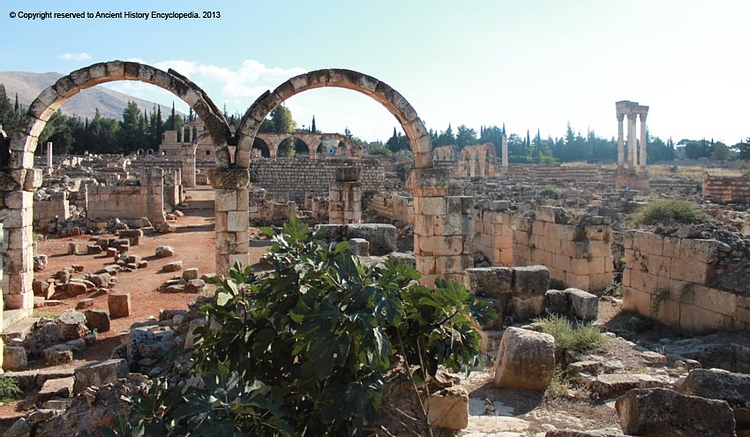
(632, 142)
(505, 154)
(643, 141)
(620, 141)
(232, 217)
(49, 157)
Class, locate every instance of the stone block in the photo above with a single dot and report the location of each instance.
(164, 251)
(583, 305)
(72, 325)
(556, 302)
(701, 319)
(525, 308)
(43, 289)
(636, 300)
(172, 267)
(448, 408)
(99, 373)
(490, 282)
(56, 388)
(191, 273)
(525, 360)
(58, 354)
(359, 247)
(531, 280)
(97, 320)
(662, 412)
(14, 358)
(119, 305)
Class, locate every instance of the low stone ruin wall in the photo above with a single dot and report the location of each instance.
(578, 254)
(726, 189)
(296, 177)
(493, 232)
(56, 206)
(675, 281)
(394, 206)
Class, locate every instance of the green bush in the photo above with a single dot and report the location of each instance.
(670, 212)
(579, 339)
(303, 350)
(10, 390)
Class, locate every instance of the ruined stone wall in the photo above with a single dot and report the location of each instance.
(493, 232)
(670, 278)
(125, 202)
(296, 177)
(726, 189)
(576, 173)
(56, 206)
(394, 206)
(579, 254)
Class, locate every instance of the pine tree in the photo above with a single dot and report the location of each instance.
(313, 129)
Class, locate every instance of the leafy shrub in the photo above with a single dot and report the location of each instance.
(10, 390)
(670, 212)
(582, 338)
(558, 386)
(303, 349)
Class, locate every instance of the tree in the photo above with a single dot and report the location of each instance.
(445, 138)
(743, 150)
(465, 136)
(721, 151)
(313, 128)
(58, 131)
(132, 134)
(398, 142)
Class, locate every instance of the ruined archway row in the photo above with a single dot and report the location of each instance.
(311, 141)
(439, 251)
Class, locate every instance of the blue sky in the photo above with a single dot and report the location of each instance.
(531, 64)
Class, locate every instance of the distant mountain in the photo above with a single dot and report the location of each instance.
(110, 103)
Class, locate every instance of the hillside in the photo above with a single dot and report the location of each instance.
(110, 103)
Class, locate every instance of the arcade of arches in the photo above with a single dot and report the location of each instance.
(442, 248)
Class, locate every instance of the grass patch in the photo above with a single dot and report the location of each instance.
(670, 212)
(10, 390)
(578, 339)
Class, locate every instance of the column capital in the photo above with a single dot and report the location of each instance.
(230, 178)
(620, 116)
(643, 116)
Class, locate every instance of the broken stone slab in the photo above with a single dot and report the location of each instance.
(58, 354)
(195, 286)
(42, 415)
(58, 404)
(73, 248)
(525, 360)
(43, 289)
(448, 408)
(84, 303)
(659, 412)
(722, 385)
(406, 258)
(99, 373)
(40, 262)
(166, 228)
(164, 251)
(172, 267)
(44, 333)
(583, 305)
(74, 289)
(615, 384)
(93, 249)
(525, 307)
(56, 388)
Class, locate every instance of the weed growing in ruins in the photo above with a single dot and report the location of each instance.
(614, 290)
(304, 349)
(660, 295)
(10, 390)
(670, 212)
(581, 338)
(558, 386)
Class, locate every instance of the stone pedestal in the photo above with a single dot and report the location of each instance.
(631, 179)
(345, 197)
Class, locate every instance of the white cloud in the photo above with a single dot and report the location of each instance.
(83, 56)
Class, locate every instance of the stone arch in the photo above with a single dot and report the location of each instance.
(18, 195)
(381, 92)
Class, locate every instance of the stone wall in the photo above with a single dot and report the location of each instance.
(493, 232)
(726, 189)
(56, 206)
(669, 278)
(129, 201)
(395, 206)
(296, 177)
(579, 254)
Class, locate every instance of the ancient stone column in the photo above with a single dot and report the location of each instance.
(155, 195)
(620, 141)
(643, 141)
(49, 156)
(632, 141)
(345, 197)
(443, 227)
(232, 216)
(505, 154)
